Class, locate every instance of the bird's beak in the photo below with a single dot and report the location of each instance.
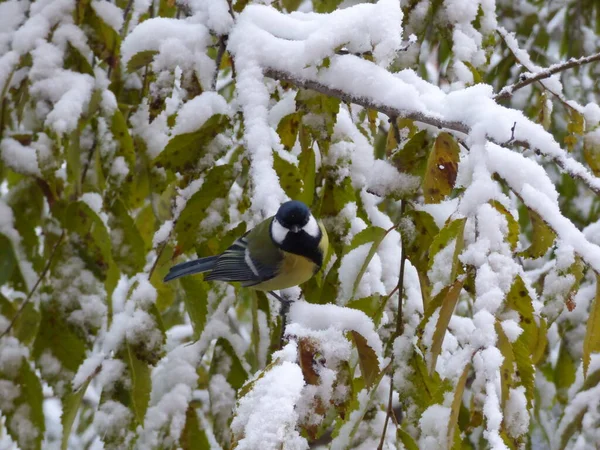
(295, 228)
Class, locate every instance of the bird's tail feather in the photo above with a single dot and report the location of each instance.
(190, 267)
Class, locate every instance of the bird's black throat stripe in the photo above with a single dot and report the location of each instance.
(304, 244)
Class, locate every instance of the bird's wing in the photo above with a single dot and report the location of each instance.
(247, 260)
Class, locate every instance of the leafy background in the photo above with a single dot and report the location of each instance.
(122, 156)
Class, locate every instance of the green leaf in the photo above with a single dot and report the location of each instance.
(406, 439)
(446, 311)
(216, 184)
(289, 176)
(377, 235)
(442, 167)
(288, 129)
(591, 341)
(58, 337)
(227, 362)
(140, 60)
(193, 436)
(183, 151)
(417, 244)
(129, 254)
(542, 237)
(196, 302)
(71, 403)
(412, 158)
(367, 359)
(513, 226)
(30, 405)
(307, 170)
(121, 133)
(141, 384)
(525, 367)
(457, 403)
(507, 369)
(8, 260)
(94, 240)
(452, 230)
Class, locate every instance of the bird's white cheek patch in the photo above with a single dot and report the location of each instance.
(312, 227)
(278, 231)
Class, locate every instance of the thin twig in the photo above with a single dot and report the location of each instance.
(88, 162)
(527, 79)
(398, 332)
(35, 286)
(220, 53)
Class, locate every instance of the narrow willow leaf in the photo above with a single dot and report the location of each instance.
(412, 158)
(417, 248)
(525, 367)
(575, 423)
(57, 336)
(128, 250)
(542, 237)
(513, 226)
(141, 385)
(216, 185)
(591, 341)
(507, 369)
(289, 176)
(183, 151)
(406, 439)
(71, 403)
(367, 359)
(452, 230)
(308, 171)
(226, 360)
(196, 302)
(379, 235)
(442, 167)
(193, 436)
(446, 311)
(8, 260)
(31, 396)
(94, 240)
(140, 60)
(457, 403)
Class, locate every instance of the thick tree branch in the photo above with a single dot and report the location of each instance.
(367, 103)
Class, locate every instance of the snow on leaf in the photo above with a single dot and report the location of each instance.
(451, 231)
(183, 151)
(542, 237)
(196, 298)
(446, 311)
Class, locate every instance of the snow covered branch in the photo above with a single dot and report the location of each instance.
(526, 79)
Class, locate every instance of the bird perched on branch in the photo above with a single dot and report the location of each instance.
(285, 250)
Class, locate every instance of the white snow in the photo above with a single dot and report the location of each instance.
(265, 417)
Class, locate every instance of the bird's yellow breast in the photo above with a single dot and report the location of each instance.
(294, 270)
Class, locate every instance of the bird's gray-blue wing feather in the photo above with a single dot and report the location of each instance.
(238, 264)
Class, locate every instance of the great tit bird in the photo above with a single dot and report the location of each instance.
(283, 251)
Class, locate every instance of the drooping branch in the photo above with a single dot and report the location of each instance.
(562, 160)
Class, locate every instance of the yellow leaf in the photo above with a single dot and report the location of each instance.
(442, 167)
(591, 342)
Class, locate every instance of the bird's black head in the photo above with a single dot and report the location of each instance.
(293, 215)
